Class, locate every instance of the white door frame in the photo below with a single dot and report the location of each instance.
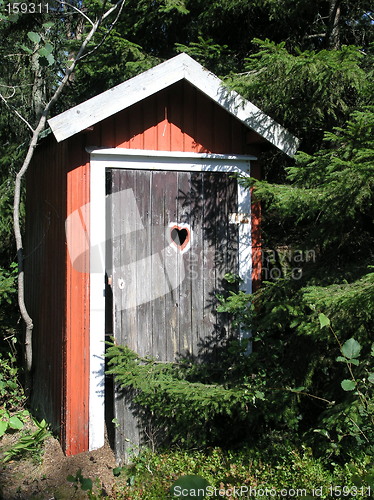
(102, 159)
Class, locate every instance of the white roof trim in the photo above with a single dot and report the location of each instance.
(140, 87)
(150, 153)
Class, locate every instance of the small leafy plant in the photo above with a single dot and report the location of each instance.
(28, 443)
(12, 396)
(350, 421)
(85, 484)
(11, 422)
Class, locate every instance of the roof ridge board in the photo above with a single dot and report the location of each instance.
(163, 75)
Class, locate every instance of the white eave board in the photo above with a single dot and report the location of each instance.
(140, 87)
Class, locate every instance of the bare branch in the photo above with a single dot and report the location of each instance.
(62, 2)
(16, 86)
(11, 108)
(317, 35)
(119, 4)
(106, 34)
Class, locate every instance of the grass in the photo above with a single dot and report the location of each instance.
(281, 472)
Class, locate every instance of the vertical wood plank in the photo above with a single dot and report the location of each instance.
(158, 244)
(189, 118)
(209, 250)
(256, 245)
(203, 129)
(221, 251)
(150, 124)
(238, 134)
(222, 124)
(45, 271)
(184, 208)
(122, 129)
(196, 262)
(115, 222)
(178, 316)
(136, 127)
(108, 135)
(232, 232)
(127, 433)
(75, 406)
(176, 117)
(163, 127)
(172, 262)
(144, 267)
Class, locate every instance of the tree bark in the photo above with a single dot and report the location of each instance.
(333, 38)
(38, 89)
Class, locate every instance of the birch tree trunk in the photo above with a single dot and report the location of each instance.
(18, 184)
(333, 35)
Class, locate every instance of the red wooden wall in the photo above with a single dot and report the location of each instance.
(57, 295)
(179, 118)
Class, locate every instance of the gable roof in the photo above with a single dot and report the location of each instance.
(140, 87)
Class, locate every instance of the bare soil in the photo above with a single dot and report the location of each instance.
(46, 478)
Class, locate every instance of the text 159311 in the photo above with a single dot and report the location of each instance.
(27, 8)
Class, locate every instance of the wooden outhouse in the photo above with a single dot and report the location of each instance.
(133, 218)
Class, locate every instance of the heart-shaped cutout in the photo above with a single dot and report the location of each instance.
(180, 236)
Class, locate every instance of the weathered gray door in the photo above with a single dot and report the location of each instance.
(171, 245)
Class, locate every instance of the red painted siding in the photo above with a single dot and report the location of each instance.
(76, 410)
(179, 118)
(57, 294)
(44, 279)
(256, 232)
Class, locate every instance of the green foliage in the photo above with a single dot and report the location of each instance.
(42, 47)
(86, 484)
(14, 418)
(298, 346)
(12, 397)
(185, 397)
(332, 190)
(11, 422)
(8, 283)
(119, 60)
(28, 443)
(352, 419)
(195, 486)
(79, 481)
(237, 304)
(327, 85)
(351, 350)
(343, 175)
(278, 467)
(303, 376)
(207, 53)
(325, 206)
(8, 422)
